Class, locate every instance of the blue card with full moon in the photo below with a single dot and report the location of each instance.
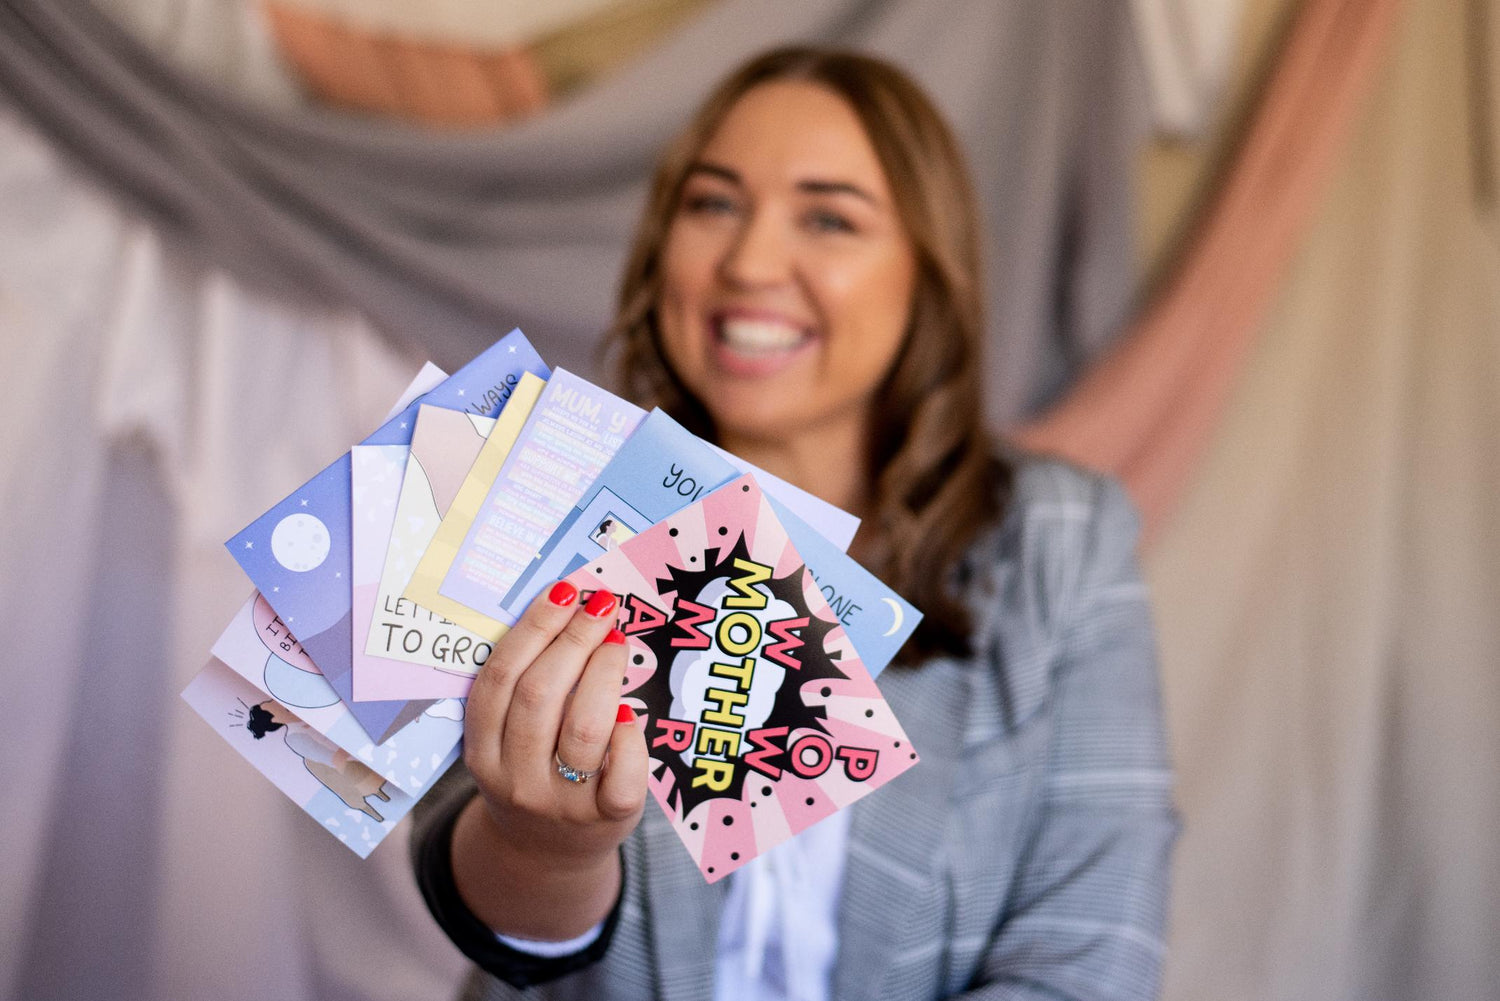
(298, 554)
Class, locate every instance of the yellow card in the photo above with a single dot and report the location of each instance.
(441, 552)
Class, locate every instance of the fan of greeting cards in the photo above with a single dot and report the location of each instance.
(383, 583)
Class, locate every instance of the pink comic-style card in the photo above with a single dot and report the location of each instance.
(760, 717)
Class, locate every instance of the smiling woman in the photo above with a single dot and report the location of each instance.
(787, 277)
(803, 289)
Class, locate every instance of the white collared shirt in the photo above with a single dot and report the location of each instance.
(778, 936)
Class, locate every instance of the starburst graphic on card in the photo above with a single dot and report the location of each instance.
(760, 717)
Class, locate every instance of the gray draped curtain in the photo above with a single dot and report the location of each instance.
(445, 240)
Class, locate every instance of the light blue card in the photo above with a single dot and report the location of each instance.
(298, 554)
(876, 618)
(663, 468)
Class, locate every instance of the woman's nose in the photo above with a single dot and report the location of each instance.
(759, 254)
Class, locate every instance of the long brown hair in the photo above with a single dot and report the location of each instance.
(936, 479)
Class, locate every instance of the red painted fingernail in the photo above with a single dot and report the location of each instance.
(614, 636)
(624, 714)
(600, 604)
(562, 594)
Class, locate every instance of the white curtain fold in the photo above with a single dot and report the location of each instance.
(1187, 47)
(156, 407)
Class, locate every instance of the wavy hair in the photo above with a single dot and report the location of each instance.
(936, 478)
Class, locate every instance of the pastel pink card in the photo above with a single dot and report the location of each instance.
(760, 717)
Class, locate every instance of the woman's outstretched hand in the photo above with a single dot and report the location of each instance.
(535, 854)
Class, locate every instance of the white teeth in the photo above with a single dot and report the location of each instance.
(759, 336)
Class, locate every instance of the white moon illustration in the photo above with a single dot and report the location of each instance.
(300, 542)
(896, 609)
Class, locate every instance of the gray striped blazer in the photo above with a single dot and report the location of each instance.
(1027, 854)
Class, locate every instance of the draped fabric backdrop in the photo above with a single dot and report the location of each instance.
(204, 298)
(1327, 592)
(1146, 411)
(443, 238)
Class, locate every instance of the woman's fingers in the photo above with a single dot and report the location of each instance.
(622, 787)
(589, 717)
(515, 652)
(529, 737)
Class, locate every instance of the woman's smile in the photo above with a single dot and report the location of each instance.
(751, 343)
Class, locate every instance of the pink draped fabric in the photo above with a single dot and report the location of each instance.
(1148, 408)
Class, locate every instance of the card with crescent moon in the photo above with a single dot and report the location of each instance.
(760, 716)
(661, 469)
(298, 554)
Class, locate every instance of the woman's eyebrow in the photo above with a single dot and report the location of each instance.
(811, 186)
(714, 170)
(814, 186)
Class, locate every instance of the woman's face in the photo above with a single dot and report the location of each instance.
(787, 274)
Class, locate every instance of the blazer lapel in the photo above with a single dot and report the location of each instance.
(895, 831)
(684, 912)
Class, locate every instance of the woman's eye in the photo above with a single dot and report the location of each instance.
(708, 204)
(824, 221)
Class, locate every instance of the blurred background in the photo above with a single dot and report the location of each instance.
(1242, 253)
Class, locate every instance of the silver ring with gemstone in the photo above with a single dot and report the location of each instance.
(577, 776)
